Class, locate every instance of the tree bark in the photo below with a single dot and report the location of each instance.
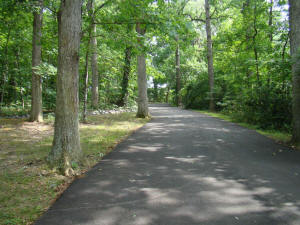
(5, 66)
(284, 47)
(271, 21)
(270, 36)
(167, 95)
(94, 59)
(210, 64)
(126, 72)
(66, 148)
(143, 110)
(17, 53)
(245, 13)
(295, 53)
(94, 65)
(155, 92)
(36, 84)
(86, 66)
(178, 75)
(254, 45)
(86, 80)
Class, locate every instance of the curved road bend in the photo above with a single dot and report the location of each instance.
(186, 168)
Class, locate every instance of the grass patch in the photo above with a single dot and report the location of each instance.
(279, 136)
(27, 186)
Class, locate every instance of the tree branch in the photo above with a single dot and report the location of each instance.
(121, 22)
(183, 6)
(54, 11)
(211, 15)
(101, 6)
(197, 19)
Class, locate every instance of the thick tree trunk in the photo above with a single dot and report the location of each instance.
(178, 75)
(126, 72)
(143, 110)
(36, 84)
(210, 64)
(94, 64)
(142, 86)
(66, 143)
(295, 53)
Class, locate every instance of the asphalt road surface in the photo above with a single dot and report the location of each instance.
(186, 168)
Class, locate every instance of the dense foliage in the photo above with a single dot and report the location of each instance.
(252, 64)
(250, 49)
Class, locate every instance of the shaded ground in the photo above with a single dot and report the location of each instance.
(27, 185)
(186, 168)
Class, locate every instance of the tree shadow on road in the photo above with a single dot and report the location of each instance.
(186, 168)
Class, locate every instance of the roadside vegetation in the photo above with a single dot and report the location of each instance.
(280, 136)
(28, 185)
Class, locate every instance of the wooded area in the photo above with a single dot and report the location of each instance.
(237, 57)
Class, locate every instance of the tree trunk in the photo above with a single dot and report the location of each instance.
(178, 75)
(66, 148)
(90, 6)
(94, 59)
(19, 74)
(86, 80)
(126, 72)
(271, 21)
(5, 66)
(36, 84)
(94, 64)
(284, 47)
(295, 53)
(155, 93)
(255, 47)
(167, 95)
(210, 64)
(270, 36)
(143, 110)
(245, 13)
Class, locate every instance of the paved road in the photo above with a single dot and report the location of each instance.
(185, 168)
